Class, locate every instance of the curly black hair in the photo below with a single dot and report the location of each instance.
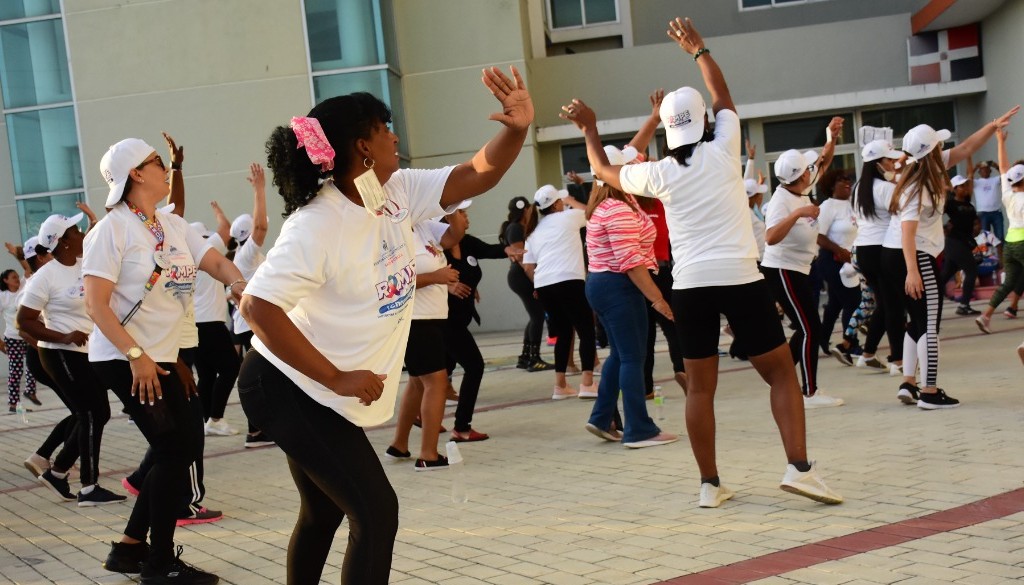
(344, 120)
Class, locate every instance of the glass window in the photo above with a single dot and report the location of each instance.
(756, 3)
(11, 9)
(803, 133)
(383, 84)
(33, 64)
(32, 212)
(44, 150)
(344, 33)
(937, 115)
(575, 13)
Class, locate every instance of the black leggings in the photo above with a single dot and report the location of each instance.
(869, 261)
(336, 472)
(792, 290)
(675, 353)
(523, 287)
(959, 255)
(462, 349)
(63, 431)
(921, 344)
(567, 308)
(165, 425)
(892, 291)
(217, 364)
(86, 397)
(842, 300)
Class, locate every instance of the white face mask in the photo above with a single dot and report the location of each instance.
(887, 175)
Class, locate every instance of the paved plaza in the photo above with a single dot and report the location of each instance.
(931, 497)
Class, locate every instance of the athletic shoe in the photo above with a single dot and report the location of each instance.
(395, 455)
(219, 428)
(842, 356)
(126, 558)
(895, 370)
(712, 496)
(611, 435)
(908, 393)
(809, 485)
(177, 572)
(440, 463)
(470, 436)
(36, 465)
(819, 400)
(561, 393)
(203, 515)
(33, 398)
(588, 391)
(57, 485)
(1010, 313)
(573, 370)
(257, 439)
(659, 439)
(98, 497)
(128, 487)
(871, 362)
(983, 324)
(538, 365)
(967, 310)
(936, 401)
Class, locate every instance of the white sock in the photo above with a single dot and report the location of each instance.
(87, 489)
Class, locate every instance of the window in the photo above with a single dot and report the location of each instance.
(32, 71)
(33, 210)
(758, 4)
(803, 133)
(44, 150)
(581, 13)
(15, 9)
(936, 115)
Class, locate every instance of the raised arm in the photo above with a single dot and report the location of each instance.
(84, 208)
(979, 138)
(646, 133)
(749, 171)
(686, 36)
(585, 119)
(19, 255)
(223, 225)
(1004, 159)
(490, 163)
(260, 222)
(828, 152)
(177, 195)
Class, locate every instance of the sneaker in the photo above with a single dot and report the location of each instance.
(819, 400)
(33, 398)
(895, 370)
(561, 393)
(588, 391)
(98, 497)
(219, 428)
(573, 370)
(440, 463)
(908, 393)
(983, 324)
(257, 439)
(1010, 313)
(871, 362)
(967, 310)
(57, 485)
(36, 465)
(936, 401)
(611, 435)
(395, 455)
(809, 485)
(523, 361)
(842, 356)
(128, 487)
(126, 558)
(203, 515)
(539, 365)
(177, 572)
(712, 496)
(659, 439)
(470, 436)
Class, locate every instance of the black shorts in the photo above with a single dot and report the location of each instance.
(425, 353)
(749, 309)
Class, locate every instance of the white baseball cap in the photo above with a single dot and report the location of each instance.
(241, 228)
(682, 111)
(753, 187)
(878, 149)
(811, 157)
(849, 275)
(958, 180)
(616, 158)
(118, 161)
(201, 228)
(547, 195)
(922, 139)
(54, 227)
(1015, 174)
(790, 166)
(29, 249)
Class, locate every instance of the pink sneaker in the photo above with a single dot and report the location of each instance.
(561, 393)
(128, 487)
(202, 516)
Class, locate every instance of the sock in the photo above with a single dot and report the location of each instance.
(58, 474)
(801, 466)
(712, 480)
(87, 489)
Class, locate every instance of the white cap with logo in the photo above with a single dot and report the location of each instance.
(1015, 174)
(682, 111)
(848, 273)
(201, 228)
(118, 162)
(241, 228)
(958, 180)
(753, 187)
(790, 166)
(922, 139)
(54, 227)
(878, 149)
(547, 195)
(29, 249)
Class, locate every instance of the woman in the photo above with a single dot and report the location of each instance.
(13, 344)
(791, 242)
(554, 262)
(837, 230)
(513, 233)
(341, 236)
(715, 268)
(871, 206)
(139, 268)
(56, 293)
(620, 247)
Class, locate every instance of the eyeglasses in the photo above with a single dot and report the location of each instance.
(159, 161)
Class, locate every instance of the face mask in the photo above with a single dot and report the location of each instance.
(887, 175)
(808, 190)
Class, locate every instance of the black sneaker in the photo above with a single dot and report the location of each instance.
(57, 485)
(908, 393)
(257, 439)
(539, 365)
(126, 558)
(967, 310)
(33, 398)
(177, 572)
(424, 465)
(203, 515)
(936, 401)
(98, 497)
(843, 356)
(396, 455)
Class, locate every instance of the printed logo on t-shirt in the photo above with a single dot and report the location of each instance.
(181, 276)
(396, 290)
(434, 248)
(77, 291)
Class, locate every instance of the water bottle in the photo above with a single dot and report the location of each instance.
(659, 403)
(457, 468)
(22, 414)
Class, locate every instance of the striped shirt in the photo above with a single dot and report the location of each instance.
(619, 238)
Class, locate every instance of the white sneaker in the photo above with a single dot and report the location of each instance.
(219, 428)
(895, 370)
(712, 497)
(661, 438)
(872, 362)
(560, 393)
(809, 485)
(588, 392)
(820, 400)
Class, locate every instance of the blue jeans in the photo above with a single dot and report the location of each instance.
(993, 222)
(623, 310)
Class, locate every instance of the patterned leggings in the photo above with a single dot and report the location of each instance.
(16, 349)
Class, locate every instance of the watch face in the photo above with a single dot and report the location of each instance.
(134, 353)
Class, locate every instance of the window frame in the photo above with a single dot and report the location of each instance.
(774, 4)
(549, 23)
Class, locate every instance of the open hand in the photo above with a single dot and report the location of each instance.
(656, 98)
(516, 104)
(685, 35)
(177, 153)
(459, 289)
(579, 114)
(1002, 121)
(146, 379)
(256, 177)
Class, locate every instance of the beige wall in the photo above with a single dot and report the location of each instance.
(1003, 52)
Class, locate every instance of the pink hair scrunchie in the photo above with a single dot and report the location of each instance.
(311, 137)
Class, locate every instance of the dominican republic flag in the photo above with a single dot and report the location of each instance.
(945, 55)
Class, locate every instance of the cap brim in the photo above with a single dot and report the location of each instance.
(943, 135)
(116, 191)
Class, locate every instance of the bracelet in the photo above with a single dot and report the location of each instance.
(700, 52)
(240, 280)
(175, 167)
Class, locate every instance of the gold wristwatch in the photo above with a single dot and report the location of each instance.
(133, 353)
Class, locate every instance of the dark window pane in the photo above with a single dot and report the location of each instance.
(574, 156)
(756, 3)
(939, 115)
(11, 9)
(803, 133)
(343, 33)
(34, 64)
(385, 86)
(600, 11)
(566, 13)
(32, 212)
(44, 150)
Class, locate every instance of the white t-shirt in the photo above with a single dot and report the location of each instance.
(189, 329)
(986, 194)
(796, 251)
(346, 281)
(837, 222)
(56, 291)
(706, 209)
(871, 230)
(931, 237)
(210, 301)
(556, 248)
(432, 300)
(759, 233)
(9, 303)
(248, 258)
(1014, 202)
(120, 249)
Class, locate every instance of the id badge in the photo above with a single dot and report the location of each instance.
(372, 193)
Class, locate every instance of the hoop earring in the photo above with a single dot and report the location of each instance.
(370, 165)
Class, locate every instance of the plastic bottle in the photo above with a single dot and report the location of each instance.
(22, 414)
(659, 403)
(457, 468)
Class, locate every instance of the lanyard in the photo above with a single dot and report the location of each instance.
(159, 256)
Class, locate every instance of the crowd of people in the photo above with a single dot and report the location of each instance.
(143, 298)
